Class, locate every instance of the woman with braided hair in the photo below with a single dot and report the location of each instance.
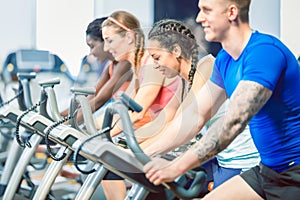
(175, 52)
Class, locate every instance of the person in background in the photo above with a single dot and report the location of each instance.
(116, 75)
(263, 89)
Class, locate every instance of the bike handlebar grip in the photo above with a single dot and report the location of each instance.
(194, 190)
(49, 83)
(129, 102)
(22, 76)
(199, 177)
(83, 91)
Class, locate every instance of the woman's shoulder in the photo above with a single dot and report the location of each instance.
(208, 59)
(204, 68)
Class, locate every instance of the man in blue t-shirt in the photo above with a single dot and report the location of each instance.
(261, 77)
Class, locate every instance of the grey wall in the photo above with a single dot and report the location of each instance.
(290, 24)
(265, 16)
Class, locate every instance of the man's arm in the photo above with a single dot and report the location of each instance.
(248, 98)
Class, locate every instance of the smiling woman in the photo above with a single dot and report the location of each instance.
(174, 50)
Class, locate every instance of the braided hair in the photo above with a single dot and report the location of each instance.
(169, 32)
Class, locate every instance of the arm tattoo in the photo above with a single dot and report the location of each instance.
(248, 98)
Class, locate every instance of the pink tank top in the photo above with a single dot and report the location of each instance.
(164, 96)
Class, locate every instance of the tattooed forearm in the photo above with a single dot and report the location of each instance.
(211, 143)
(248, 98)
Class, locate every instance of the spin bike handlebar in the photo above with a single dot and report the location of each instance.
(132, 143)
(79, 98)
(48, 93)
(24, 79)
(130, 103)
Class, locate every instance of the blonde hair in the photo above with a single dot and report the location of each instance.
(123, 22)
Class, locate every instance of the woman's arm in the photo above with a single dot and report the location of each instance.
(190, 118)
(109, 85)
(165, 116)
(148, 89)
(203, 72)
(143, 91)
(101, 81)
(106, 86)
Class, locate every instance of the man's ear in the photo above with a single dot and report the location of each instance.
(232, 12)
(177, 50)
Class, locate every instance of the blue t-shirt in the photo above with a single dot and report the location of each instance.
(275, 129)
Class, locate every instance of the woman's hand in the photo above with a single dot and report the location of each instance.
(160, 170)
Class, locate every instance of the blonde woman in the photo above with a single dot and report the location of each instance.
(124, 39)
